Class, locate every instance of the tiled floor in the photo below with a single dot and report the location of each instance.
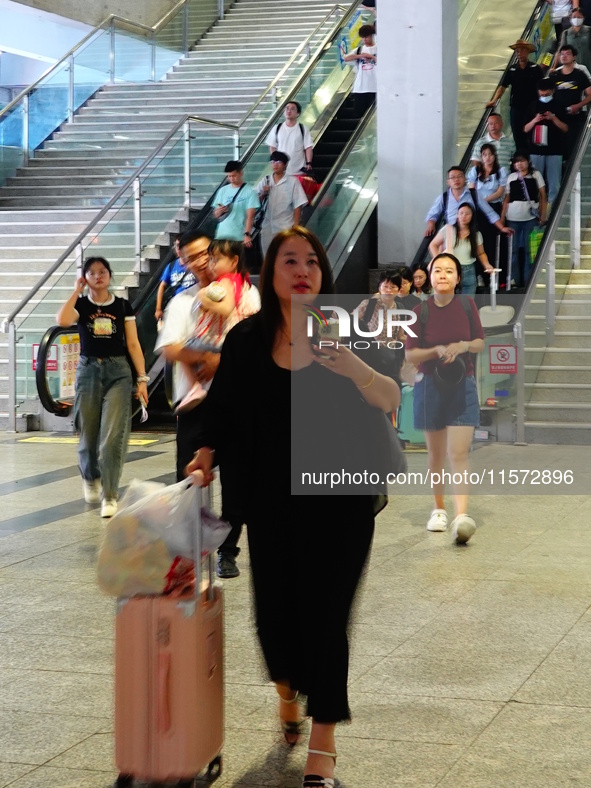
(469, 665)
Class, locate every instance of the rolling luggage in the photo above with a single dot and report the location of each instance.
(169, 683)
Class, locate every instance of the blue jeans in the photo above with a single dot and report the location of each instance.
(521, 239)
(102, 414)
(550, 167)
(468, 283)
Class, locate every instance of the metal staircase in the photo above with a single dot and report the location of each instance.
(81, 166)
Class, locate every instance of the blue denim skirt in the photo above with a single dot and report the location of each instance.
(435, 409)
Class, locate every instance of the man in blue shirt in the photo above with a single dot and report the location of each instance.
(458, 193)
(235, 206)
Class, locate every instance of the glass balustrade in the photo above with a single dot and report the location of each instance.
(123, 53)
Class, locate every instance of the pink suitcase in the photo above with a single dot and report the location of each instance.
(169, 685)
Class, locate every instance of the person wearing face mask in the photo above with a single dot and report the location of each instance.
(578, 36)
(561, 11)
(546, 130)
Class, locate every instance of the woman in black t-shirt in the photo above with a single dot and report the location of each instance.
(102, 407)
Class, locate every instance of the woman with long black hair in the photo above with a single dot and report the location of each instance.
(465, 242)
(307, 551)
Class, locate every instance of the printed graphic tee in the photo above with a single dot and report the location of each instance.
(102, 327)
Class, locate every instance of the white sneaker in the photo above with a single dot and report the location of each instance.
(92, 490)
(108, 507)
(437, 521)
(462, 528)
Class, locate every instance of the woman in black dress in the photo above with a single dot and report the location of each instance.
(307, 551)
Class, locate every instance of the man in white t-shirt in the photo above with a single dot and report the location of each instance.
(364, 59)
(285, 199)
(293, 138)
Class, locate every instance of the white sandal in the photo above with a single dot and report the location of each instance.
(316, 780)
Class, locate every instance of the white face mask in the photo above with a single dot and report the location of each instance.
(576, 21)
(545, 99)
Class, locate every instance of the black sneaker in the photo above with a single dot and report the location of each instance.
(227, 566)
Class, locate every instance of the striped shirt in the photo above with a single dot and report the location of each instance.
(503, 146)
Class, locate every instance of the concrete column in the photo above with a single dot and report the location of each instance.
(417, 98)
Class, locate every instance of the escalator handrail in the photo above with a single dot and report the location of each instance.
(326, 42)
(481, 127)
(572, 169)
(56, 406)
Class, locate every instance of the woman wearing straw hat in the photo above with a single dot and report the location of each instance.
(522, 77)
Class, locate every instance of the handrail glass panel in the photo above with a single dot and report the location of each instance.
(134, 60)
(133, 57)
(91, 68)
(48, 106)
(352, 191)
(12, 132)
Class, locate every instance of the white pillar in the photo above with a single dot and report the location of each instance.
(417, 110)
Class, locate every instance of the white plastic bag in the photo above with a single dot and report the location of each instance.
(153, 527)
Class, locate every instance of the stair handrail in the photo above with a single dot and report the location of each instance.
(106, 208)
(133, 177)
(293, 91)
(104, 25)
(545, 259)
(306, 43)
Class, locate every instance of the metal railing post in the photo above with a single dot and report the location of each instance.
(550, 294)
(11, 377)
(186, 28)
(137, 223)
(26, 130)
(112, 51)
(575, 222)
(518, 335)
(153, 58)
(71, 88)
(221, 9)
(79, 260)
(237, 146)
(187, 167)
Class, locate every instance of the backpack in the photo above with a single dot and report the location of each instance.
(279, 125)
(445, 196)
(259, 216)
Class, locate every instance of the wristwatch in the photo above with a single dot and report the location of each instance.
(143, 378)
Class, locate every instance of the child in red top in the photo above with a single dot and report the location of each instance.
(223, 303)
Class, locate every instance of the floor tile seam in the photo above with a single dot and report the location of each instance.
(57, 713)
(69, 749)
(54, 671)
(546, 704)
(549, 653)
(465, 750)
(77, 744)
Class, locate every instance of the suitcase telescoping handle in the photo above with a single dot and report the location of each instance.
(204, 499)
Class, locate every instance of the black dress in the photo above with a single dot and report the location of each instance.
(307, 552)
